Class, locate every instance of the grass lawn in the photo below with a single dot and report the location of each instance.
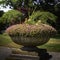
(52, 45)
(5, 40)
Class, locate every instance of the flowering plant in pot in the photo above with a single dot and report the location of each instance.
(30, 35)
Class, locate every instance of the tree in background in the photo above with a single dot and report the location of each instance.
(1, 13)
(27, 7)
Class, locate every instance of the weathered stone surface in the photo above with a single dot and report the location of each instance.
(23, 57)
(4, 52)
(30, 53)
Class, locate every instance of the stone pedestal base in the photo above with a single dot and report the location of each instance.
(22, 57)
(30, 53)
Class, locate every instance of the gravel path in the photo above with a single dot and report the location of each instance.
(55, 55)
(5, 52)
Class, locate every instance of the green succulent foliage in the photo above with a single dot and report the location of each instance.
(11, 17)
(43, 16)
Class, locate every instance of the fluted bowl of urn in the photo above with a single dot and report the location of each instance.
(30, 35)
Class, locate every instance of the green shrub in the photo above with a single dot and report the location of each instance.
(57, 7)
(45, 17)
(10, 18)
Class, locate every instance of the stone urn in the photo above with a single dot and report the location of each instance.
(30, 35)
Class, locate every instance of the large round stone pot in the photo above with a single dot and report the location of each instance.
(30, 35)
